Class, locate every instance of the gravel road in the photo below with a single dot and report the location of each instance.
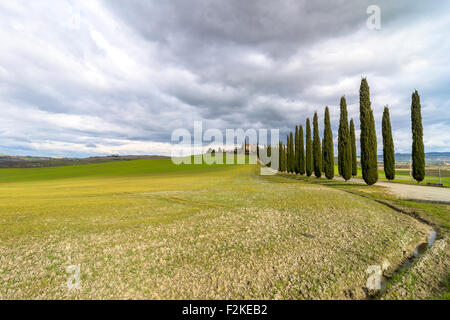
(416, 192)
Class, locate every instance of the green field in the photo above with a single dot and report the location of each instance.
(403, 176)
(150, 229)
(432, 176)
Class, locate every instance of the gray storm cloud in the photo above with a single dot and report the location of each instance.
(97, 77)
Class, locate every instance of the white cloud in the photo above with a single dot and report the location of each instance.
(75, 74)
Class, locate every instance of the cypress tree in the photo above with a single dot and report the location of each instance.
(291, 150)
(418, 151)
(297, 151)
(291, 141)
(388, 146)
(269, 154)
(328, 152)
(339, 139)
(368, 136)
(301, 152)
(344, 144)
(323, 155)
(309, 154)
(288, 154)
(280, 157)
(257, 150)
(317, 150)
(353, 143)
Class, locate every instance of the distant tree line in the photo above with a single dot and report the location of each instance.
(313, 155)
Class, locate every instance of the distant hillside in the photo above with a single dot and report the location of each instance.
(7, 161)
(430, 157)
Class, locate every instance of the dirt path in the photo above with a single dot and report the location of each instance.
(416, 192)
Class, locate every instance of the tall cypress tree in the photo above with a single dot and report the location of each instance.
(292, 146)
(323, 157)
(353, 143)
(280, 165)
(269, 154)
(289, 148)
(297, 151)
(418, 150)
(301, 152)
(317, 150)
(288, 167)
(309, 151)
(289, 154)
(291, 140)
(344, 144)
(388, 146)
(328, 152)
(368, 136)
(257, 150)
(340, 151)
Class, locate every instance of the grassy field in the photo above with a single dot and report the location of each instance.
(150, 229)
(428, 276)
(403, 176)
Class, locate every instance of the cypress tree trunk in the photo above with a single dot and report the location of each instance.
(344, 144)
(301, 152)
(418, 150)
(297, 151)
(388, 146)
(309, 151)
(317, 150)
(328, 152)
(368, 136)
(353, 143)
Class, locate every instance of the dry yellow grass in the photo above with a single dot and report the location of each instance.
(219, 232)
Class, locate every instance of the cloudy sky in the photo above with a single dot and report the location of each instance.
(81, 78)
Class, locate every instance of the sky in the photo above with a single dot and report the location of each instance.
(85, 78)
